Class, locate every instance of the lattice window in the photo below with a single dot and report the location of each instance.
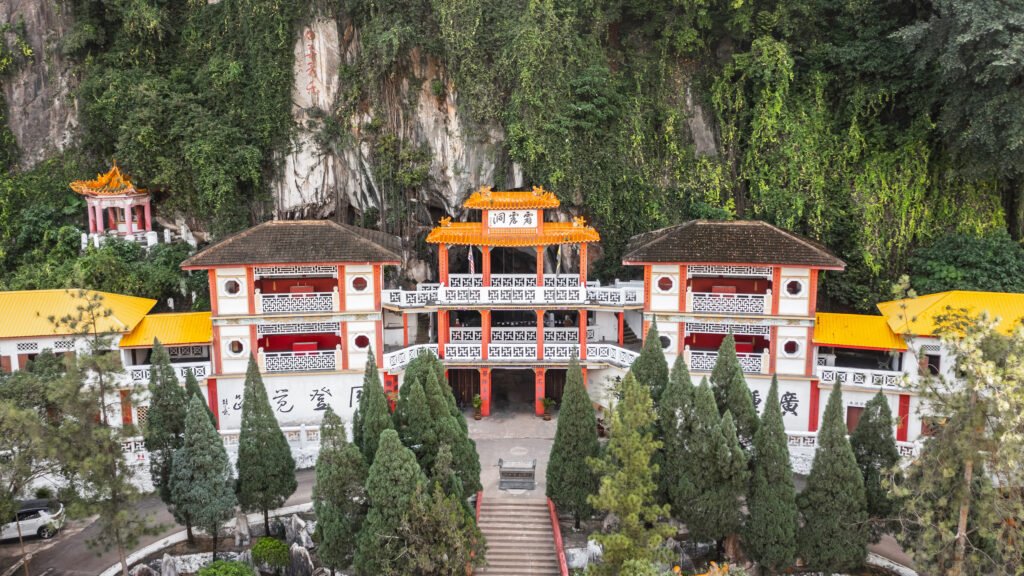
(28, 346)
(729, 303)
(463, 351)
(321, 271)
(312, 302)
(299, 328)
(299, 362)
(734, 271)
(141, 415)
(188, 351)
(63, 345)
(717, 328)
(931, 349)
(512, 351)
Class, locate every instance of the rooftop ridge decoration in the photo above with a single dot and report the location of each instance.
(485, 198)
(113, 183)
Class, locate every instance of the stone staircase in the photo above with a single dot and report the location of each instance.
(520, 540)
(628, 336)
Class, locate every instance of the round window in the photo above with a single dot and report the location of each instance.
(232, 287)
(362, 341)
(665, 283)
(794, 287)
(236, 347)
(791, 347)
(359, 284)
(665, 341)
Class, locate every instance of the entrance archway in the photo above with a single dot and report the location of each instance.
(512, 390)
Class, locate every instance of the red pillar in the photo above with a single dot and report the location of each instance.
(149, 216)
(682, 288)
(540, 334)
(622, 326)
(99, 219)
(341, 288)
(586, 384)
(583, 333)
(540, 266)
(90, 209)
(539, 391)
(344, 345)
(379, 330)
(378, 285)
(485, 266)
(812, 420)
(485, 391)
(442, 263)
(405, 330)
(776, 289)
(583, 264)
(250, 281)
(485, 333)
(442, 331)
(903, 423)
(128, 220)
(211, 398)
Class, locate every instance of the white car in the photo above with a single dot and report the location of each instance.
(41, 518)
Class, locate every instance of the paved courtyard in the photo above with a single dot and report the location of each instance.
(512, 435)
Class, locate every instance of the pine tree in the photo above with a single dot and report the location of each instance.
(164, 431)
(651, 368)
(192, 389)
(770, 536)
(834, 534)
(435, 396)
(441, 536)
(394, 482)
(731, 392)
(627, 486)
(266, 469)
(201, 480)
(675, 424)
(416, 371)
(420, 433)
(465, 459)
(716, 473)
(376, 417)
(570, 481)
(339, 498)
(874, 447)
(357, 424)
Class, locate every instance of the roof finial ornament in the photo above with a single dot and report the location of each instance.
(538, 191)
(485, 192)
(579, 222)
(446, 221)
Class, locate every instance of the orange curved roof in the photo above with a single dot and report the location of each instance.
(485, 199)
(172, 329)
(472, 234)
(113, 183)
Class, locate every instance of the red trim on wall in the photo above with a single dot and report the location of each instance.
(647, 289)
(344, 345)
(216, 350)
(622, 326)
(442, 262)
(563, 567)
(378, 284)
(212, 275)
(540, 221)
(776, 289)
(485, 333)
(583, 334)
(813, 300)
(211, 398)
(540, 334)
(378, 327)
(126, 408)
(758, 264)
(819, 344)
(485, 264)
(645, 326)
(405, 330)
(540, 264)
(442, 331)
(254, 343)
(809, 364)
(903, 423)
(682, 287)
(485, 391)
(261, 264)
(342, 305)
(812, 419)
(586, 383)
(250, 281)
(773, 346)
(584, 264)
(484, 217)
(681, 337)
(539, 391)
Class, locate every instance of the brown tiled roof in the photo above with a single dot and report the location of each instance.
(299, 241)
(727, 242)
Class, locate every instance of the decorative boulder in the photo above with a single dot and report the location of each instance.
(301, 563)
(143, 570)
(168, 567)
(246, 558)
(243, 534)
(296, 532)
(594, 550)
(577, 558)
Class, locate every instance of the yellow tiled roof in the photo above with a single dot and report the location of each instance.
(472, 234)
(113, 183)
(855, 331)
(485, 199)
(171, 329)
(27, 313)
(917, 315)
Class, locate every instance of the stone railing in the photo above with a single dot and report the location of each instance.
(400, 358)
(714, 303)
(704, 360)
(463, 351)
(511, 352)
(526, 295)
(513, 281)
(561, 351)
(810, 440)
(141, 372)
(860, 376)
(296, 302)
(308, 361)
(525, 335)
(611, 354)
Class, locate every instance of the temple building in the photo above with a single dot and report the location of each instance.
(116, 206)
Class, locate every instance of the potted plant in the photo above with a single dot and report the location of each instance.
(548, 403)
(478, 402)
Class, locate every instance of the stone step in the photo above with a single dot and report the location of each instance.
(517, 523)
(520, 540)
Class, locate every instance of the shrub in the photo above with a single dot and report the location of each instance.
(270, 552)
(226, 568)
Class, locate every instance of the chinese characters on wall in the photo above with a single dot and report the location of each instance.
(512, 218)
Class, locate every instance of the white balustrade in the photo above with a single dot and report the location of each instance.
(619, 296)
(704, 360)
(860, 376)
(502, 352)
(513, 281)
(307, 361)
(141, 372)
(501, 334)
(612, 354)
(464, 291)
(461, 334)
(715, 303)
(296, 302)
(463, 351)
(561, 351)
(400, 358)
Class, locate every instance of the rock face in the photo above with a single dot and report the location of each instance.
(41, 111)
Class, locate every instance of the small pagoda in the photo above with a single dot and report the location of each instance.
(115, 205)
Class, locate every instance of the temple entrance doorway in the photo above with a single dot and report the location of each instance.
(554, 384)
(512, 390)
(465, 383)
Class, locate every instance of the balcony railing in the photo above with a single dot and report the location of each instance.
(463, 351)
(526, 335)
(704, 360)
(860, 376)
(400, 358)
(513, 281)
(511, 352)
(621, 295)
(307, 361)
(715, 303)
(141, 372)
(296, 302)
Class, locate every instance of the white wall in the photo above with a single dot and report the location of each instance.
(228, 304)
(359, 300)
(300, 396)
(791, 363)
(356, 355)
(795, 304)
(794, 399)
(234, 363)
(665, 300)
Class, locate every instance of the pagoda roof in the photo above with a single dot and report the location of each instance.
(486, 199)
(113, 183)
(473, 234)
(299, 242)
(729, 242)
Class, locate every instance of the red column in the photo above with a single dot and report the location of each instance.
(812, 419)
(813, 304)
(622, 327)
(485, 333)
(90, 209)
(682, 288)
(254, 346)
(250, 281)
(773, 336)
(405, 330)
(378, 284)
(215, 360)
(341, 289)
(584, 371)
(148, 215)
(344, 345)
(212, 276)
(126, 408)
(583, 264)
(540, 334)
(442, 331)
(99, 219)
(583, 334)
(128, 220)
(442, 263)
(776, 289)
(485, 265)
(540, 266)
(485, 391)
(647, 290)
(903, 423)
(379, 348)
(539, 391)
(211, 399)
(681, 336)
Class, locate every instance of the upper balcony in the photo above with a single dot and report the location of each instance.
(140, 373)
(728, 302)
(872, 368)
(300, 360)
(516, 289)
(704, 360)
(303, 301)
(513, 353)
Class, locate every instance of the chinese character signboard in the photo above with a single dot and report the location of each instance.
(511, 218)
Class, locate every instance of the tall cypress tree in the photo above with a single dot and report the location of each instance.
(651, 368)
(569, 479)
(419, 433)
(192, 389)
(164, 431)
(770, 535)
(357, 423)
(465, 459)
(201, 478)
(834, 534)
(376, 417)
(874, 447)
(675, 424)
(266, 469)
(339, 497)
(731, 392)
(394, 481)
